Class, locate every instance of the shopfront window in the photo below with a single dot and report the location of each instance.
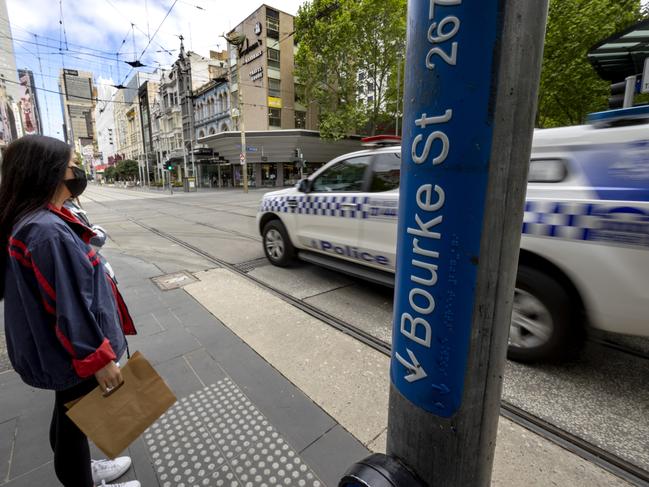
(269, 174)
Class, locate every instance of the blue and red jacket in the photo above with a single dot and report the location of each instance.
(64, 317)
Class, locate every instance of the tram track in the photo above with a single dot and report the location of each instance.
(583, 448)
(602, 342)
(611, 462)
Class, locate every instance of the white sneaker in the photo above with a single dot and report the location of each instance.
(130, 483)
(107, 470)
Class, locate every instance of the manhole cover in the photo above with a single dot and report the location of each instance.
(174, 281)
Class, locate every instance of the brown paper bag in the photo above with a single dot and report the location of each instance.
(115, 421)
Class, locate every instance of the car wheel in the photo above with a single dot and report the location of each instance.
(277, 246)
(544, 325)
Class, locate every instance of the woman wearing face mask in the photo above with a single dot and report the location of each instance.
(62, 323)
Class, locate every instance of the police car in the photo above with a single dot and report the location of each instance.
(584, 256)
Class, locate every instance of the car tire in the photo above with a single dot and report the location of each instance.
(544, 324)
(277, 245)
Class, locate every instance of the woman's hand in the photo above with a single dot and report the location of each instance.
(109, 377)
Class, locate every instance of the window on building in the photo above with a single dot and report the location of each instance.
(361, 76)
(274, 117)
(273, 58)
(386, 172)
(274, 88)
(272, 23)
(300, 119)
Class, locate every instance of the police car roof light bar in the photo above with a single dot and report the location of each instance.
(616, 117)
(381, 140)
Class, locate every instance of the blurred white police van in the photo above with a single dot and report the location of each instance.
(584, 258)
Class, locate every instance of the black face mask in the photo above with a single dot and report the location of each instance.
(77, 185)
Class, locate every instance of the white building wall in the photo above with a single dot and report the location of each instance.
(105, 119)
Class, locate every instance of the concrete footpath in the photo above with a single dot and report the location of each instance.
(268, 396)
(238, 421)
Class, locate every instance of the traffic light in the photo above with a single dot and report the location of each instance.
(169, 167)
(616, 100)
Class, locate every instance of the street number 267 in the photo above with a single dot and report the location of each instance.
(440, 32)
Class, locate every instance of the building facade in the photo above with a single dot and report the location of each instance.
(78, 96)
(10, 119)
(128, 122)
(212, 108)
(262, 69)
(30, 113)
(147, 96)
(105, 121)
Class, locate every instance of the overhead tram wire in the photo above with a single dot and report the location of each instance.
(74, 96)
(40, 69)
(12, 24)
(163, 49)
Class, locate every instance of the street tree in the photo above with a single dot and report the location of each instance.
(127, 169)
(110, 173)
(570, 87)
(347, 55)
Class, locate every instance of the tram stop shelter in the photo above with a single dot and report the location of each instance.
(272, 156)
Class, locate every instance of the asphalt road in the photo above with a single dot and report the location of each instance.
(601, 396)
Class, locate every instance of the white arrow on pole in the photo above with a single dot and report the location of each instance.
(416, 370)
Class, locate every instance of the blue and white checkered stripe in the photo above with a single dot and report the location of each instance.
(335, 206)
(581, 221)
(587, 221)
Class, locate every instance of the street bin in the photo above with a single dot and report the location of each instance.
(189, 185)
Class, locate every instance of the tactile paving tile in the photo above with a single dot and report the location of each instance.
(217, 437)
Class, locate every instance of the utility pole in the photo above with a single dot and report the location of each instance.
(472, 75)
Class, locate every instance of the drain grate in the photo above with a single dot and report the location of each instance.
(174, 281)
(252, 264)
(217, 437)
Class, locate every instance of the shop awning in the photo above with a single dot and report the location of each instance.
(621, 54)
(279, 146)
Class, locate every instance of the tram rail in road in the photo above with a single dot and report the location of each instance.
(586, 450)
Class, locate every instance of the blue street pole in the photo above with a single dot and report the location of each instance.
(472, 76)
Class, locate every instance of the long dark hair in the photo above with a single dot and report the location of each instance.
(32, 170)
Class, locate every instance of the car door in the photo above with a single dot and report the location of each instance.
(328, 217)
(378, 234)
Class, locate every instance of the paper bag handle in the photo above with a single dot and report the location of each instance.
(111, 391)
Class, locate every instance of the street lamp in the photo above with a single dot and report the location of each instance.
(237, 39)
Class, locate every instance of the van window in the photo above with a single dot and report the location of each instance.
(547, 171)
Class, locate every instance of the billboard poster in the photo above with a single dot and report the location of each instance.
(28, 113)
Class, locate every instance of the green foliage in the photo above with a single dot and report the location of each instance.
(570, 87)
(110, 173)
(127, 170)
(338, 39)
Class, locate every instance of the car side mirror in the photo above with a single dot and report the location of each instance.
(304, 186)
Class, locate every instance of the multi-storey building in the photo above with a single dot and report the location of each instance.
(262, 69)
(105, 120)
(147, 95)
(30, 113)
(78, 96)
(10, 125)
(280, 127)
(167, 119)
(212, 108)
(128, 121)
(173, 117)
